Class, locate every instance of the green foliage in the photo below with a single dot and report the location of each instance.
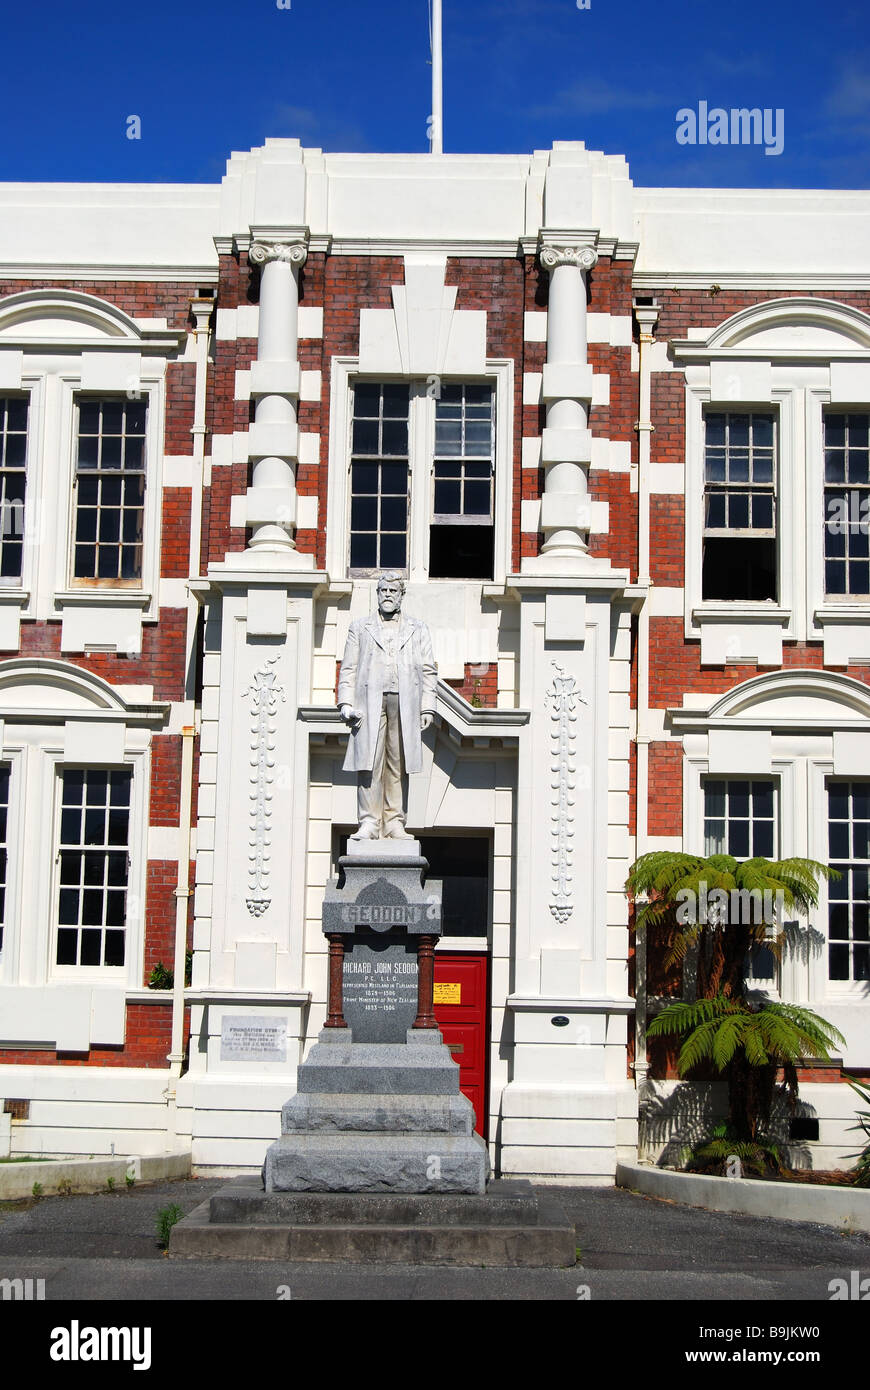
(110, 1184)
(161, 977)
(65, 1187)
(861, 1171)
(760, 1156)
(130, 1181)
(36, 1190)
(766, 1031)
(164, 1221)
(747, 1038)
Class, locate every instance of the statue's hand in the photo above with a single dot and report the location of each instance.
(351, 716)
(425, 721)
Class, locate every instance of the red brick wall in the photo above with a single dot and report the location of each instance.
(665, 815)
(479, 685)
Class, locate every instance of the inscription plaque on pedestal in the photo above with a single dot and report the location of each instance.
(379, 983)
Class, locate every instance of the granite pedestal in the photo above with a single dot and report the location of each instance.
(378, 1160)
(378, 1106)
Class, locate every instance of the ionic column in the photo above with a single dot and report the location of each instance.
(567, 393)
(274, 437)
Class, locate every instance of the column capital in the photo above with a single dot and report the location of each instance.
(553, 254)
(291, 252)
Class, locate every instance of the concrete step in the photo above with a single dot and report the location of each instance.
(510, 1226)
(243, 1202)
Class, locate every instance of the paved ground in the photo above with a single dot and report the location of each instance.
(631, 1247)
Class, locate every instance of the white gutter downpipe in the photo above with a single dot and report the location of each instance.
(647, 317)
(202, 310)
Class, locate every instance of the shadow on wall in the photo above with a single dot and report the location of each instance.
(674, 1119)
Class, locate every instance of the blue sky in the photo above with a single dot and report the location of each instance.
(207, 77)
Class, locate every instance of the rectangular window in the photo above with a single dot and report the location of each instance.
(740, 820)
(739, 506)
(462, 534)
(848, 897)
(94, 866)
(13, 454)
(379, 478)
(4, 844)
(847, 504)
(110, 489)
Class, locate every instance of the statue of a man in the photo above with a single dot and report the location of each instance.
(386, 694)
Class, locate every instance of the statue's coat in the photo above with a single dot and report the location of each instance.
(361, 684)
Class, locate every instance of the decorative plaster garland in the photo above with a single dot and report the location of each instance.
(264, 694)
(562, 699)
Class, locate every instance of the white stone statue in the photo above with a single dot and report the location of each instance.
(386, 694)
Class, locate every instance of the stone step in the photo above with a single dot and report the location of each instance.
(509, 1228)
(506, 1202)
(380, 1069)
(368, 1162)
(335, 1111)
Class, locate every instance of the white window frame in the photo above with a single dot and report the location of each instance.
(9, 955)
(145, 593)
(696, 772)
(782, 402)
(820, 604)
(802, 768)
(421, 447)
(820, 986)
(38, 750)
(55, 344)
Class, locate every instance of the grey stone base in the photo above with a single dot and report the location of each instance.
(336, 1112)
(371, 1162)
(378, 1117)
(413, 1068)
(511, 1225)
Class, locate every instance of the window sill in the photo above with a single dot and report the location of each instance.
(740, 633)
(845, 630)
(96, 597)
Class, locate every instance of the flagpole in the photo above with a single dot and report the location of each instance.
(436, 140)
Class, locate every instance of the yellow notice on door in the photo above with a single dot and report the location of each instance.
(448, 994)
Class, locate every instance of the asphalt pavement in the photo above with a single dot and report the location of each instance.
(630, 1247)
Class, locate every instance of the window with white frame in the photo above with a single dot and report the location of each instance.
(847, 503)
(462, 533)
(5, 778)
(740, 817)
(423, 495)
(93, 855)
(109, 509)
(13, 460)
(849, 895)
(740, 547)
(740, 820)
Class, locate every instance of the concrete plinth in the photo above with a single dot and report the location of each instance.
(511, 1225)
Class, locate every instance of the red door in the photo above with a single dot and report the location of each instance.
(462, 1011)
